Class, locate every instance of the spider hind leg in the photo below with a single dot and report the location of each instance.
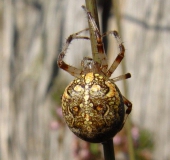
(128, 110)
(128, 104)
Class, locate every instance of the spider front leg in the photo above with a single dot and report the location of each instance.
(70, 69)
(100, 56)
(120, 56)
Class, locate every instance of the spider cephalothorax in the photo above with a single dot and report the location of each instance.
(92, 105)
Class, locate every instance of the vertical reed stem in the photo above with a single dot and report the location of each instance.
(92, 7)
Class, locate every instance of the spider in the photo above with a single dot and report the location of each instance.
(92, 105)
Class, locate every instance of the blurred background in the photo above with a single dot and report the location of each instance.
(32, 34)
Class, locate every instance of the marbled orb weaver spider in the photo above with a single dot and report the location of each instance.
(92, 105)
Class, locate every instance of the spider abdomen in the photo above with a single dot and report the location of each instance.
(93, 108)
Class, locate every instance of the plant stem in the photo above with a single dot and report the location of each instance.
(92, 7)
(108, 150)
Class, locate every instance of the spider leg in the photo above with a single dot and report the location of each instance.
(119, 78)
(128, 110)
(128, 104)
(120, 56)
(100, 56)
(70, 69)
(129, 107)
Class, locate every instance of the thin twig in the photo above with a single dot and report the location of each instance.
(92, 7)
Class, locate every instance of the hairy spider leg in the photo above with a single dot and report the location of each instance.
(70, 69)
(119, 57)
(119, 78)
(100, 57)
